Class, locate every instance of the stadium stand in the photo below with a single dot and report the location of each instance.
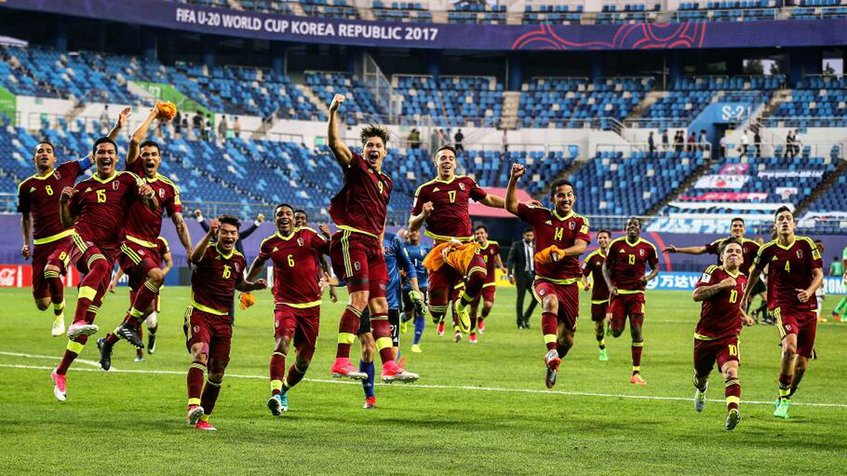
(360, 105)
(401, 11)
(816, 101)
(477, 12)
(452, 101)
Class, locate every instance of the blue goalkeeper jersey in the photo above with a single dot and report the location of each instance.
(416, 254)
(396, 259)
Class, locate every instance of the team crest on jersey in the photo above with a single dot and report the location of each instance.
(641, 252)
(141, 252)
(462, 187)
(800, 254)
(300, 242)
(115, 185)
(357, 266)
(161, 193)
(236, 268)
(58, 175)
(571, 225)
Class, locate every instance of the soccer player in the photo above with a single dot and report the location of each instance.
(593, 266)
(820, 293)
(301, 220)
(751, 248)
(396, 262)
(359, 211)
(720, 290)
(794, 274)
(218, 272)
(135, 284)
(96, 208)
(294, 252)
(561, 235)
(442, 203)
(140, 258)
(490, 252)
(623, 271)
(841, 308)
(416, 251)
(38, 204)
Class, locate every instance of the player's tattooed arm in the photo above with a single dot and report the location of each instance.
(705, 292)
(68, 219)
(511, 202)
(138, 136)
(182, 232)
(340, 151)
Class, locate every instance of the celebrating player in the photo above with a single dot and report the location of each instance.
(218, 272)
(96, 208)
(359, 210)
(38, 204)
(593, 266)
(442, 203)
(720, 289)
(490, 252)
(294, 253)
(561, 235)
(623, 271)
(416, 251)
(139, 257)
(794, 274)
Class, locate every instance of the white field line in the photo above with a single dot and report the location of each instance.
(417, 385)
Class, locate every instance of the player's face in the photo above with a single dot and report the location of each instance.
(299, 218)
(737, 229)
(105, 157)
(528, 236)
(445, 161)
(150, 159)
(374, 152)
(784, 223)
(414, 237)
(733, 256)
(44, 157)
(564, 199)
(603, 240)
(227, 236)
(633, 228)
(480, 235)
(285, 220)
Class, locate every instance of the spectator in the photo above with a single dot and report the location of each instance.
(504, 141)
(745, 142)
(702, 141)
(104, 120)
(414, 139)
(692, 141)
(757, 143)
(722, 144)
(222, 129)
(442, 137)
(651, 144)
(236, 127)
(457, 140)
(178, 124)
(185, 127)
(665, 143)
(197, 124)
(678, 141)
(207, 128)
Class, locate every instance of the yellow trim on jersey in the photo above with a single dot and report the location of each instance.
(207, 309)
(629, 291)
(227, 256)
(139, 241)
(166, 242)
(559, 217)
(704, 337)
(488, 285)
(279, 235)
(561, 282)
(356, 230)
(711, 269)
(301, 305)
(345, 254)
(106, 180)
(604, 301)
(786, 247)
(52, 238)
(461, 239)
(591, 255)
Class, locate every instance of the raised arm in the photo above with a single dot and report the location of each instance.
(123, 119)
(511, 202)
(340, 151)
(493, 201)
(689, 250)
(65, 214)
(200, 248)
(138, 136)
(182, 232)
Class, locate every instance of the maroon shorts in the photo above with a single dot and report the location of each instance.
(803, 324)
(137, 260)
(443, 287)
(568, 297)
(82, 253)
(487, 294)
(301, 324)
(358, 260)
(627, 305)
(599, 311)
(212, 331)
(56, 253)
(709, 352)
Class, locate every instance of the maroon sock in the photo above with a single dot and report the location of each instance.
(294, 377)
(550, 328)
(785, 381)
(57, 289)
(733, 389)
(210, 396)
(195, 380)
(349, 325)
(277, 369)
(637, 347)
(474, 321)
(146, 295)
(382, 329)
(112, 338)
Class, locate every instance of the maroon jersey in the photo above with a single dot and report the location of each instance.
(449, 217)
(213, 280)
(489, 255)
(593, 265)
(40, 197)
(143, 225)
(720, 315)
(627, 263)
(296, 269)
(749, 249)
(101, 205)
(789, 269)
(362, 202)
(562, 231)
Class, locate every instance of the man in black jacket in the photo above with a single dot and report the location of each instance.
(521, 264)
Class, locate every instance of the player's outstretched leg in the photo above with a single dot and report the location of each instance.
(701, 386)
(347, 327)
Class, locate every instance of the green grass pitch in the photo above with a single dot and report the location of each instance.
(476, 409)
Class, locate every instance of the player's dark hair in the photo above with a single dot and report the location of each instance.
(446, 147)
(558, 183)
(103, 140)
(480, 227)
(528, 230)
(374, 131)
(229, 220)
(780, 210)
(727, 242)
(607, 232)
(285, 205)
(150, 143)
(633, 218)
(300, 210)
(735, 219)
(45, 141)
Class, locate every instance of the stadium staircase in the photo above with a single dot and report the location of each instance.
(572, 169)
(511, 104)
(779, 97)
(685, 185)
(822, 188)
(312, 97)
(643, 106)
